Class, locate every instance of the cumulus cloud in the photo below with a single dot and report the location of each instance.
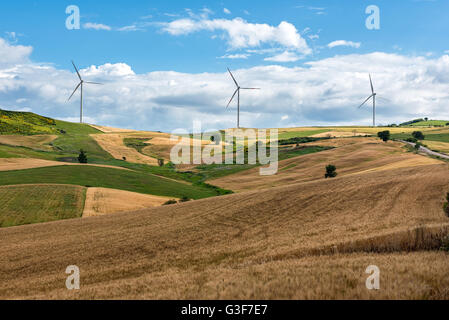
(13, 54)
(322, 92)
(96, 26)
(344, 43)
(242, 34)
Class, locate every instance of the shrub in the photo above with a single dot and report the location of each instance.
(82, 158)
(330, 171)
(418, 135)
(160, 162)
(446, 205)
(445, 244)
(384, 135)
(184, 199)
(417, 146)
(169, 202)
(412, 140)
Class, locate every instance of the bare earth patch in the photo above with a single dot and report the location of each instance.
(110, 129)
(103, 201)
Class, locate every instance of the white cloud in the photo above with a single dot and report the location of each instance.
(114, 70)
(129, 28)
(322, 92)
(227, 11)
(96, 26)
(286, 56)
(13, 54)
(344, 43)
(242, 34)
(235, 56)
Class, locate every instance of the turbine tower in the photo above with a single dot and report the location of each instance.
(237, 91)
(80, 85)
(373, 95)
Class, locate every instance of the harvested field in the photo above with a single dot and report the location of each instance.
(113, 144)
(261, 244)
(340, 134)
(352, 156)
(11, 164)
(110, 129)
(37, 142)
(103, 201)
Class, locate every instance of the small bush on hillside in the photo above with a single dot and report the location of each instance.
(82, 158)
(169, 202)
(160, 162)
(331, 171)
(184, 199)
(418, 146)
(418, 135)
(412, 140)
(446, 205)
(384, 135)
(445, 244)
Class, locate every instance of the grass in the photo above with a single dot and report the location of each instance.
(35, 204)
(25, 123)
(136, 143)
(214, 171)
(300, 134)
(107, 178)
(76, 138)
(430, 123)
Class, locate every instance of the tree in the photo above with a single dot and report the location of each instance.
(331, 171)
(426, 119)
(418, 135)
(82, 158)
(384, 135)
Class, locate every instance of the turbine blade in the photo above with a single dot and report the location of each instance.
(371, 82)
(232, 98)
(250, 88)
(76, 69)
(74, 91)
(93, 82)
(365, 101)
(235, 81)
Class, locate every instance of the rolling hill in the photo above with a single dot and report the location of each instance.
(294, 235)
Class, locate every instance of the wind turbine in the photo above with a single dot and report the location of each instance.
(237, 92)
(80, 85)
(373, 95)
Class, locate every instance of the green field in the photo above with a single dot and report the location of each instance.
(108, 178)
(25, 123)
(35, 204)
(300, 134)
(430, 123)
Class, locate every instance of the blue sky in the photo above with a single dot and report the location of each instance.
(164, 46)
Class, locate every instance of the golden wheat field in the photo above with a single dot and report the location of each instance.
(103, 201)
(352, 156)
(310, 239)
(37, 142)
